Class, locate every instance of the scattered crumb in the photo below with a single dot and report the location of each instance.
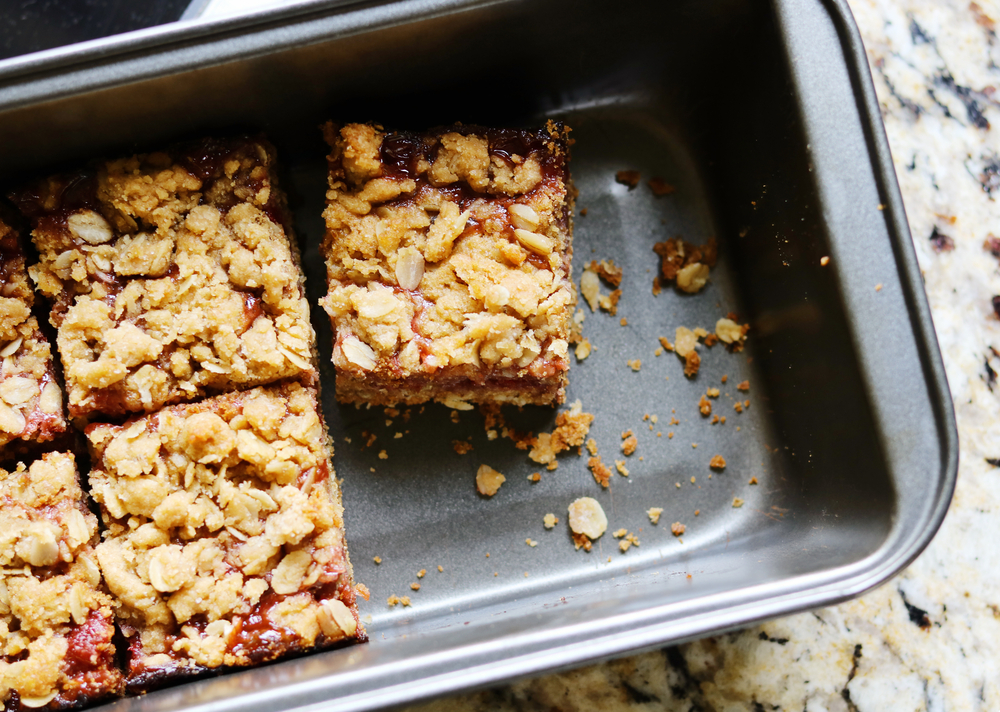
(371, 439)
(723, 420)
(677, 528)
(732, 334)
(572, 427)
(624, 545)
(363, 591)
(535, 477)
(677, 485)
(583, 350)
(550, 520)
(635, 364)
(531, 542)
(393, 600)
(686, 264)
(415, 586)
(421, 573)
(624, 322)
(591, 446)
(746, 404)
(660, 187)
(738, 407)
(697, 512)
(581, 541)
(587, 518)
(712, 393)
(487, 554)
(659, 351)
(607, 270)
(405, 600)
(705, 406)
(718, 462)
(743, 386)
(753, 481)
(440, 569)
(725, 378)
(590, 288)
(377, 559)
(878, 287)
(583, 211)
(601, 472)
(737, 502)
(666, 344)
(461, 446)
(692, 362)
(620, 466)
(715, 419)
(620, 533)
(657, 286)
(694, 445)
(629, 443)
(609, 302)
(397, 436)
(824, 261)
(654, 418)
(488, 481)
(454, 416)
(693, 480)
(629, 178)
(654, 514)
(670, 436)
(711, 340)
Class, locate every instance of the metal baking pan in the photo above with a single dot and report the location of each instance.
(764, 117)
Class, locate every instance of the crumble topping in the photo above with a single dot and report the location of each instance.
(224, 541)
(448, 261)
(173, 276)
(55, 618)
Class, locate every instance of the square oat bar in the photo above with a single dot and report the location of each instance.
(448, 260)
(56, 620)
(31, 408)
(224, 542)
(174, 276)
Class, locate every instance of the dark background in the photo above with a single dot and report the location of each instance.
(33, 25)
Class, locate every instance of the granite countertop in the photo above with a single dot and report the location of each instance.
(929, 638)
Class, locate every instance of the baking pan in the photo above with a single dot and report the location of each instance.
(764, 118)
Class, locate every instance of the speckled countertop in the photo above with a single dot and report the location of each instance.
(930, 638)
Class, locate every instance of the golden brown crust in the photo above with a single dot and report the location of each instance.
(448, 258)
(173, 277)
(224, 540)
(56, 620)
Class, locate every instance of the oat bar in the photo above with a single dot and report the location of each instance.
(448, 258)
(174, 276)
(224, 540)
(31, 408)
(56, 620)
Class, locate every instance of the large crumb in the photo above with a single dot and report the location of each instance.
(488, 480)
(732, 334)
(601, 471)
(654, 514)
(686, 264)
(629, 442)
(677, 528)
(629, 178)
(462, 447)
(550, 520)
(620, 466)
(571, 430)
(586, 517)
(718, 462)
(607, 270)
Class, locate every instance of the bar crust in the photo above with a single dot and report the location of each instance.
(56, 618)
(224, 542)
(448, 260)
(174, 276)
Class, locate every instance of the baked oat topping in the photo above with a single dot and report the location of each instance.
(448, 259)
(56, 619)
(31, 407)
(224, 532)
(174, 275)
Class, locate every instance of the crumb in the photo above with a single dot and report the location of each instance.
(712, 392)
(705, 406)
(660, 187)
(717, 462)
(824, 261)
(454, 416)
(601, 472)
(440, 569)
(694, 445)
(620, 466)
(530, 542)
(725, 378)
(674, 421)
(693, 479)
(415, 586)
(590, 288)
(666, 344)
(371, 439)
(697, 512)
(488, 481)
(487, 554)
(677, 485)
(878, 287)
(393, 600)
(738, 428)
(692, 362)
(587, 518)
(624, 322)
(405, 600)
(746, 404)
(377, 559)
(670, 436)
(737, 502)
(572, 427)
(607, 270)
(583, 350)
(583, 211)
(715, 419)
(629, 444)
(421, 573)
(461, 446)
(620, 533)
(624, 545)
(609, 302)
(732, 334)
(723, 420)
(711, 340)
(581, 541)
(397, 436)
(685, 264)
(657, 286)
(738, 407)
(629, 178)
(383, 455)
(753, 481)
(535, 477)
(659, 351)
(743, 386)
(550, 520)
(363, 591)
(677, 528)
(591, 446)
(635, 364)
(630, 537)
(654, 514)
